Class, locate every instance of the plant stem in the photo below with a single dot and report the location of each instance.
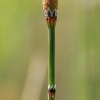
(51, 61)
(50, 10)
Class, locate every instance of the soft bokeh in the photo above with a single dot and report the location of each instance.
(24, 46)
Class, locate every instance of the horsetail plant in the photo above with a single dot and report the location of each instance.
(50, 10)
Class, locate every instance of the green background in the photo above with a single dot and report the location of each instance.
(24, 47)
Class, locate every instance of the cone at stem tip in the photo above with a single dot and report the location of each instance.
(50, 10)
(51, 4)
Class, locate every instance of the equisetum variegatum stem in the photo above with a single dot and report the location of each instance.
(50, 10)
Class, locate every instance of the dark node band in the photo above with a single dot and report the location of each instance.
(51, 90)
(50, 14)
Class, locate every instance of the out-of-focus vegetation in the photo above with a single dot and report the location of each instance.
(23, 50)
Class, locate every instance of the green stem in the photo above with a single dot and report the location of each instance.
(51, 57)
(51, 60)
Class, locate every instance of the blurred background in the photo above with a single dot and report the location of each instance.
(24, 50)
